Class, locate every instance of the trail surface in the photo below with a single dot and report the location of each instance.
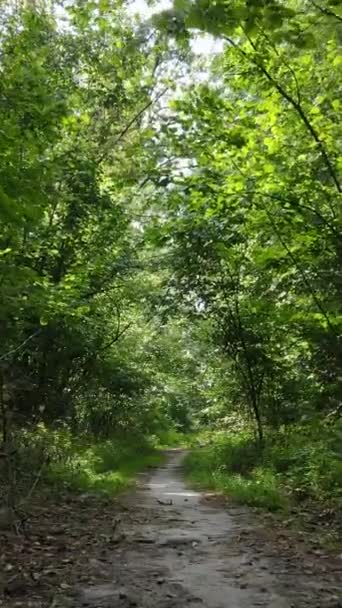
(180, 550)
(161, 546)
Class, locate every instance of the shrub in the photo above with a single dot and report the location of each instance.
(298, 464)
(63, 460)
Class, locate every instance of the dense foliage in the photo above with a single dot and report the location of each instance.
(255, 207)
(170, 247)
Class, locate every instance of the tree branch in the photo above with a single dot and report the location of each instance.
(296, 106)
(311, 290)
(131, 122)
(326, 11)
(14, 350)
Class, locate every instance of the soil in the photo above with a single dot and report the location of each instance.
(164, 546)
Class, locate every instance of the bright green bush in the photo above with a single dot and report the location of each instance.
(169, 438)
(309, 461)
(107, 467)
(83, 464)
(207, 469)
(301, 464)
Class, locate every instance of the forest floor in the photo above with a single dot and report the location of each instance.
(162, 546)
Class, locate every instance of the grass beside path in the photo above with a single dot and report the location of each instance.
(301, 467)
(260, 489)
(108, 467)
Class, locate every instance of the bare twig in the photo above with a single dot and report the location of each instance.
(35, 483)
(14, 350)
(326, 11)
(133, 120)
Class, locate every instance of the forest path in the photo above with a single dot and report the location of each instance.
(179, 549)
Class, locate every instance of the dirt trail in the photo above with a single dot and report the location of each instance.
(178, 549)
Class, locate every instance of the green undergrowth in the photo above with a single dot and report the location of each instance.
(108, 467)
(293, 467)
(169, 439)
(260, 489)
(84, 465)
